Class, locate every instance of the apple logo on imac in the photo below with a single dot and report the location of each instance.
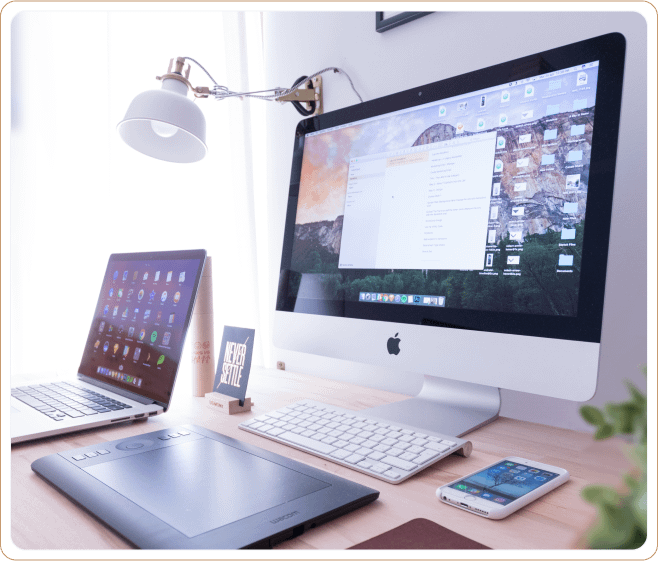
(393, 345)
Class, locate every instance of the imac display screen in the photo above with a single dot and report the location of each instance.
(468, 206)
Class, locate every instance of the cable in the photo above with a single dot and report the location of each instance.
(222, 92)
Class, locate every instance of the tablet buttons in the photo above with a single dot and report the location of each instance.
(469, 498)
(80, 457)
(134, 445)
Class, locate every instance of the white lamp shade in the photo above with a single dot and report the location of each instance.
(165, 124)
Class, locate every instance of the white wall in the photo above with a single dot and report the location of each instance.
(439, 46)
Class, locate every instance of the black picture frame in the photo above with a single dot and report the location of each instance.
(384, 24)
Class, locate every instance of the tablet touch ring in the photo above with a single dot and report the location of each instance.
(134, 445)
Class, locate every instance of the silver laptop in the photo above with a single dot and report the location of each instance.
(129, 364)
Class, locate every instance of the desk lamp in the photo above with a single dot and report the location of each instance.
(167, 125)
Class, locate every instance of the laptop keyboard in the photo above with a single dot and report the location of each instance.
(61, 400)
(356, 440)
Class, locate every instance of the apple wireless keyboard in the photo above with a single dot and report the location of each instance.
(356, 439)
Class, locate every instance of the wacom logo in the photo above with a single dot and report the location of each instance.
(284, 517)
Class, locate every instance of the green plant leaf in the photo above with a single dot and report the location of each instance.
(605, 431)
(592, 415)
(600, 495)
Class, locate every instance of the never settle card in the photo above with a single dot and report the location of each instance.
(234, 362)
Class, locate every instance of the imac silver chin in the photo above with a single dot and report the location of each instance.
(463, 370)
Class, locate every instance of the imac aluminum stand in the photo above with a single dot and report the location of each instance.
(445, 406)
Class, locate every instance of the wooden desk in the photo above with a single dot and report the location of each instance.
(42, 518)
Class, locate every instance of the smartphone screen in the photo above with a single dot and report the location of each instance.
(504, 482)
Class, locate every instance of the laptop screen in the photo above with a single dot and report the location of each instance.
(144, 308)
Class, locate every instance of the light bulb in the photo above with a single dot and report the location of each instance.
(165, 130)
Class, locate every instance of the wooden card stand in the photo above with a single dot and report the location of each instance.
(227, 404)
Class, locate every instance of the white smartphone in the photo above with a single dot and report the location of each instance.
(502, 488)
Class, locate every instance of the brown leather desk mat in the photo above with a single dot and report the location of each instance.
(420, 533)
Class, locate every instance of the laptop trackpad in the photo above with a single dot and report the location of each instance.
(201, 485)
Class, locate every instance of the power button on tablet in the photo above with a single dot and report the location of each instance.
(135, 445)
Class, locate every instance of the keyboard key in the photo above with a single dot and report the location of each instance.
(366, 434)
(357, 440)
(351, 447)
(426, 457)
(402, 445)
(407, 456)
(448, 442)
(377, 438)
(394, 452)
(369, 444)
(398, 463)
(340, 443)
(392, 474)
(365, 464)
(379, 468)
(308, 433)
(381, 448)
(309, 443)
(382, 431)
(298, 430)
(354, 459)
(420, 435)
(419, 442)
(389, 441)
(364, 451)
(407, 438)
(437, 447)
(318, 436)
(340, 454)
(329, 440)
(415, 449)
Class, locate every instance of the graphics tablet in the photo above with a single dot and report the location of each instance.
(191, 488)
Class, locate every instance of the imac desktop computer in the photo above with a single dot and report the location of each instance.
(460, 230)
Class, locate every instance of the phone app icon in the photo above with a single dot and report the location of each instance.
(120, 293)
(154, 336)
(514, 471)
(161, 359)
(539, 478)
(519, 478)
(135, 275)
(131, 331)
(97, 344)
(171, 318)
(101, 326)
(110, 328)
(499, 500)
(461, 486)
(159, 316)
(460, 128)
(147, 314)
(545, 474)
(163, 297)
(480, 124)
(126, 350)
(115, 311)
(116, 348)
(106, 309)
(474, 491)
(156, 278)
(521, 467)
(142, 334)
(106, 346)
(145, 277)
(181, 277)
(125, 275)
(403, 299)
(500, 142)
(385, 298)
(169, 275)
(152, 296)
(504, 96)
(177, 297)
(125, 313)
(510, 464)
(148, 357)
(130, 293)
(111, 293)
(116, 275)
(140, 294)
(120, 330)
(137, 353)
(529, 91)
(483, 101)
(166, 337)
(533, 471)
(502, 119)
(498, 166)
(135, 314)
